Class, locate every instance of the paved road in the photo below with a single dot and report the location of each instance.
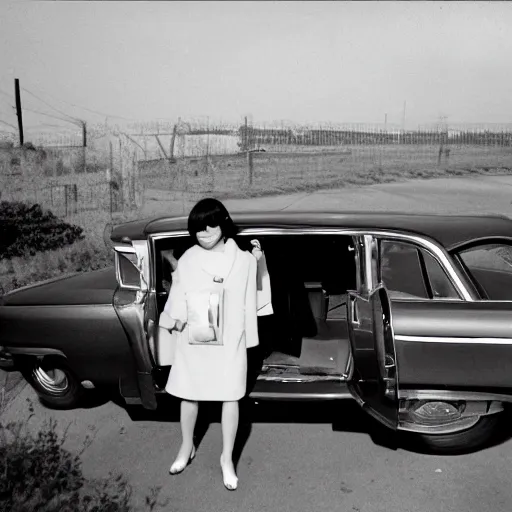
(293, 459)
(480, 194)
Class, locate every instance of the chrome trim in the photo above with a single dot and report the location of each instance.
(349, 368)
(438, 252)
(118, 273)
(393, 339)
(446, 339)
(125, 248)
(368, 270)
(301, 379)
(447, 395)
(262, 395)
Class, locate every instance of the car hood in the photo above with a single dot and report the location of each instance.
(96, 287)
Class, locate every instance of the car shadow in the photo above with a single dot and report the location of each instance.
(343, 415)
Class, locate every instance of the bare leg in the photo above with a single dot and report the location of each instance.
(230, 416)
(188, 417)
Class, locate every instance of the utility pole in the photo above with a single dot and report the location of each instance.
(385, 122)
(18, 108)
(403, 118)
(84, 145)
(246, 136)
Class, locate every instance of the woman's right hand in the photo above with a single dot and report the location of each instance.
(179, 326)
(168, 254)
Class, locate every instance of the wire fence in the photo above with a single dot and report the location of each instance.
(222, 159)
(120, 169)
(72, 179)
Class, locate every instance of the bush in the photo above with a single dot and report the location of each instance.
(38, 473)
(27, 229)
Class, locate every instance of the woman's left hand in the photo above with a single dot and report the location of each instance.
(256, 250)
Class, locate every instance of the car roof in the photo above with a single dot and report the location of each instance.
(451, 231)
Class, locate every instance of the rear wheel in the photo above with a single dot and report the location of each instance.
(53, 381)
(475, 437)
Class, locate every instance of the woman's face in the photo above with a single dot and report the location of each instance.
(210, 237)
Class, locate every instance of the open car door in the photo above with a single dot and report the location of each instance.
(130, 303)
(374, 383)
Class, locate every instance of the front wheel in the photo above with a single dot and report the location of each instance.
(54, 382)
(473, 438)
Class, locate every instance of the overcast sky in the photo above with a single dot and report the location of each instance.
(300, 61)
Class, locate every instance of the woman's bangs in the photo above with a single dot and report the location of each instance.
(211, 219)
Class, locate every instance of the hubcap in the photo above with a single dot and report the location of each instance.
(53, 381)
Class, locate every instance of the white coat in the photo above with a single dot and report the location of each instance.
(208, 371)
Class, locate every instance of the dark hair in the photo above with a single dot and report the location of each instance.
(211, 212)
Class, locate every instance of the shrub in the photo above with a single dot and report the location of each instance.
(27, 229)
(38, 473)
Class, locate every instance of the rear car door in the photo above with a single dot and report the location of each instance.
(374, 383)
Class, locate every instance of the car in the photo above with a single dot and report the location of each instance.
(407, 314)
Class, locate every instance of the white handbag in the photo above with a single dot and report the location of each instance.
(205, 317)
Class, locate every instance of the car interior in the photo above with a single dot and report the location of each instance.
(306, 337)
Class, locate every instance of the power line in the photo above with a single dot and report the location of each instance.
(47, 104)
(6, 94)
(103, 114)
(49, 115)
(8, 124)
(7, 103)
(4, 112)
(42, 125)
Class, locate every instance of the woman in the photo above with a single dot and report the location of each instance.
(212, 309)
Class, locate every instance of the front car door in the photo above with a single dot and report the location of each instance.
(374, 383)
(131, 303)
(452, 346)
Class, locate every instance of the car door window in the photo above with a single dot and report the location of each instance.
(409, 271)
(401, 271)
(490, 266)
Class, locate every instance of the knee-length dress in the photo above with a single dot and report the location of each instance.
(208, 371)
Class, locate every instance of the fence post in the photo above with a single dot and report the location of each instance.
(111, 190)
(75, 198)
(250, 166)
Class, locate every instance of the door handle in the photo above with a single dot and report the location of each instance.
(353, 309)
(151, 328)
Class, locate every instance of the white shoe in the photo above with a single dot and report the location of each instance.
(229, 477)
(178, 465)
